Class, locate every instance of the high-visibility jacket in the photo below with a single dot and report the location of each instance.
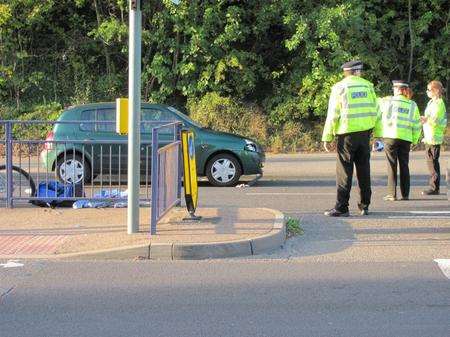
(434, 128)
(400, 119)
(352, 107)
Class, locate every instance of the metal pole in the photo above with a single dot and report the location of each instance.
(154, 179)
(9, 172)
(134, 93)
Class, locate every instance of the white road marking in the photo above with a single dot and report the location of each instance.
(289, 193)
(444, 264)
(429, 212)
(12, 264)
(425, 217)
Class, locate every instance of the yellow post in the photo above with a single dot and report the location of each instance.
(190, 172)
(122, 116)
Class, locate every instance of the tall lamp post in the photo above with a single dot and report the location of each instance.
(134, 113)
(134, 116)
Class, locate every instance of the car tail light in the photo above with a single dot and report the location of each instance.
(49, 138)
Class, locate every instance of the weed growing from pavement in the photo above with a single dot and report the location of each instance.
(293, 227)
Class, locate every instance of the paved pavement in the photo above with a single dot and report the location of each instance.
(101, 233)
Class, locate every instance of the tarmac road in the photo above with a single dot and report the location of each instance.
(305, 183)
(360, 276)
(225, 298)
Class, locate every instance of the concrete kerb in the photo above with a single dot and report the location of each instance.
(272, 240)
(118, 253)
(215, 250)
(122, 253)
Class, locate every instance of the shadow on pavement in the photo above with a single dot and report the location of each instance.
(322, 235)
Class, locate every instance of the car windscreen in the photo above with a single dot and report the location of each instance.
(155, 115)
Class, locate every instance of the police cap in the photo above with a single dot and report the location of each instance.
(352, 65)
(400, 83)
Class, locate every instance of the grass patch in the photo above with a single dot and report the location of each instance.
(293, 227)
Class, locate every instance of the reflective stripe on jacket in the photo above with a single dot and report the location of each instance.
(434, 128)
(400, 119)
(352, 107)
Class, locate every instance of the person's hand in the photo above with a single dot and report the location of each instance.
(326, 146)
(413, 147)
(423, 119)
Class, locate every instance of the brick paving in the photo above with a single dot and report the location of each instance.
(30, 244)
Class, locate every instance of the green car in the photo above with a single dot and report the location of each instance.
(221, 157)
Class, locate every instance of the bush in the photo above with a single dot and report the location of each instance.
(294, 137)
(47, 112)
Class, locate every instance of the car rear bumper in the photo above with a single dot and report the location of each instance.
(47, 158)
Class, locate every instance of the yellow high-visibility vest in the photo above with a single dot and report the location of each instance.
(352, 107)
(400, 119)
(434, 128)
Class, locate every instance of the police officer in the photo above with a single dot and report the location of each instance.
(434, 125)
(399, 125)
(352, 113)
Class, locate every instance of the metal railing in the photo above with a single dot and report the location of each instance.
(95, 169)
(166, 173)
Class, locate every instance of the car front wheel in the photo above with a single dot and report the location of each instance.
(223, 170)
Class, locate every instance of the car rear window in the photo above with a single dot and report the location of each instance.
(99, 115)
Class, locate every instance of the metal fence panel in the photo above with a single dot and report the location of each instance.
(96, 167)
(166, 169)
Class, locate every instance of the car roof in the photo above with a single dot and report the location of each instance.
(110, 105)
(68, 112)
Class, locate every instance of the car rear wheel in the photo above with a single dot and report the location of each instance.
(72, 169)
(223, 170)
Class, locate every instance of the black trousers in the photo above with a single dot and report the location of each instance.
(397, 154)
(353, 150)
(433, 152)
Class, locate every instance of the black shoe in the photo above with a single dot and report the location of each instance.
(364, 211)
(404, 198)
(430, 192)
(335, 213)
(389, 197)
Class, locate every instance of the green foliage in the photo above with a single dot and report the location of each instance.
(293, 227)
(277, 59)
(48, 112)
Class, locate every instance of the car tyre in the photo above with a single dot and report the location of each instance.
(72, 169)
(223, 170)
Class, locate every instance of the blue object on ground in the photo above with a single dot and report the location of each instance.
(378, 146)
(91, 204)
(47, 190)
(103, 194)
